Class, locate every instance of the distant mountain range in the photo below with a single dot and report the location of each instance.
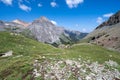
(107, 34)
(21, 22)
(43, 30)
(11, 26)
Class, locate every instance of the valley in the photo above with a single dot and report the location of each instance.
(30, 56)
(59, 40)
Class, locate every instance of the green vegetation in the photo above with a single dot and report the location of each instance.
(21, 45)
(85, 40)
(92, 52)
(65, 39)
(25, 51)
(27, 33)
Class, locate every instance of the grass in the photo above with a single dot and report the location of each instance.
(20, 67)
(20, 45)
(92, 52)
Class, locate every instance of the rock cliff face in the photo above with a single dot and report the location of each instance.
(114, 19)
(108, 33)
(45, 31)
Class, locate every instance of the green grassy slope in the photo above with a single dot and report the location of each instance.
(93, 52)
(88, 51)
(19, 67)
(21, 45)
(25, 51)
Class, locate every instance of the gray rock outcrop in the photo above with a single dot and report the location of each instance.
(114, 19)
(7, 54)
(107, 34)
(45, 31)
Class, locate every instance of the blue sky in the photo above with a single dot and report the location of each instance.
(81, 15)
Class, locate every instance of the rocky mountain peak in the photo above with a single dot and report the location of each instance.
(17, 20)
(44, 30)
(44, 18)
(114, 19)
(41, 19)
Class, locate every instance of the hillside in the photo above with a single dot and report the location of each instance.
(24, 52)
(107, 33)
(30, 59)
(21, 45)
(114, 19)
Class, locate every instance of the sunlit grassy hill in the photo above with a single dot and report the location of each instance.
(19, 66)
(21, 45)
(25, 51)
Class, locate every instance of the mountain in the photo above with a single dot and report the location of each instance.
(33, 60)
(75, 35)
(107, 34)
(21, 22)
(11, 26)
(45, 31)
(114, 19)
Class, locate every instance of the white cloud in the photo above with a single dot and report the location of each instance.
(24, 7)
(73, 3)
(84, 30)
(100, 20)
(53, 4)
(77, 25)
(28, 1)
(108, 15)
(54, 22)
(40, 5)
(7, 2)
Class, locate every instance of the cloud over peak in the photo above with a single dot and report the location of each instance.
(99, 20)
(103, 17)
(7, 2)
(24, 7)
(73, 3)
(53, 4)
(40, 5)
(108, 15)
(54, 22)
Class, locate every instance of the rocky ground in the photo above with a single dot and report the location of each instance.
(52, 69)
